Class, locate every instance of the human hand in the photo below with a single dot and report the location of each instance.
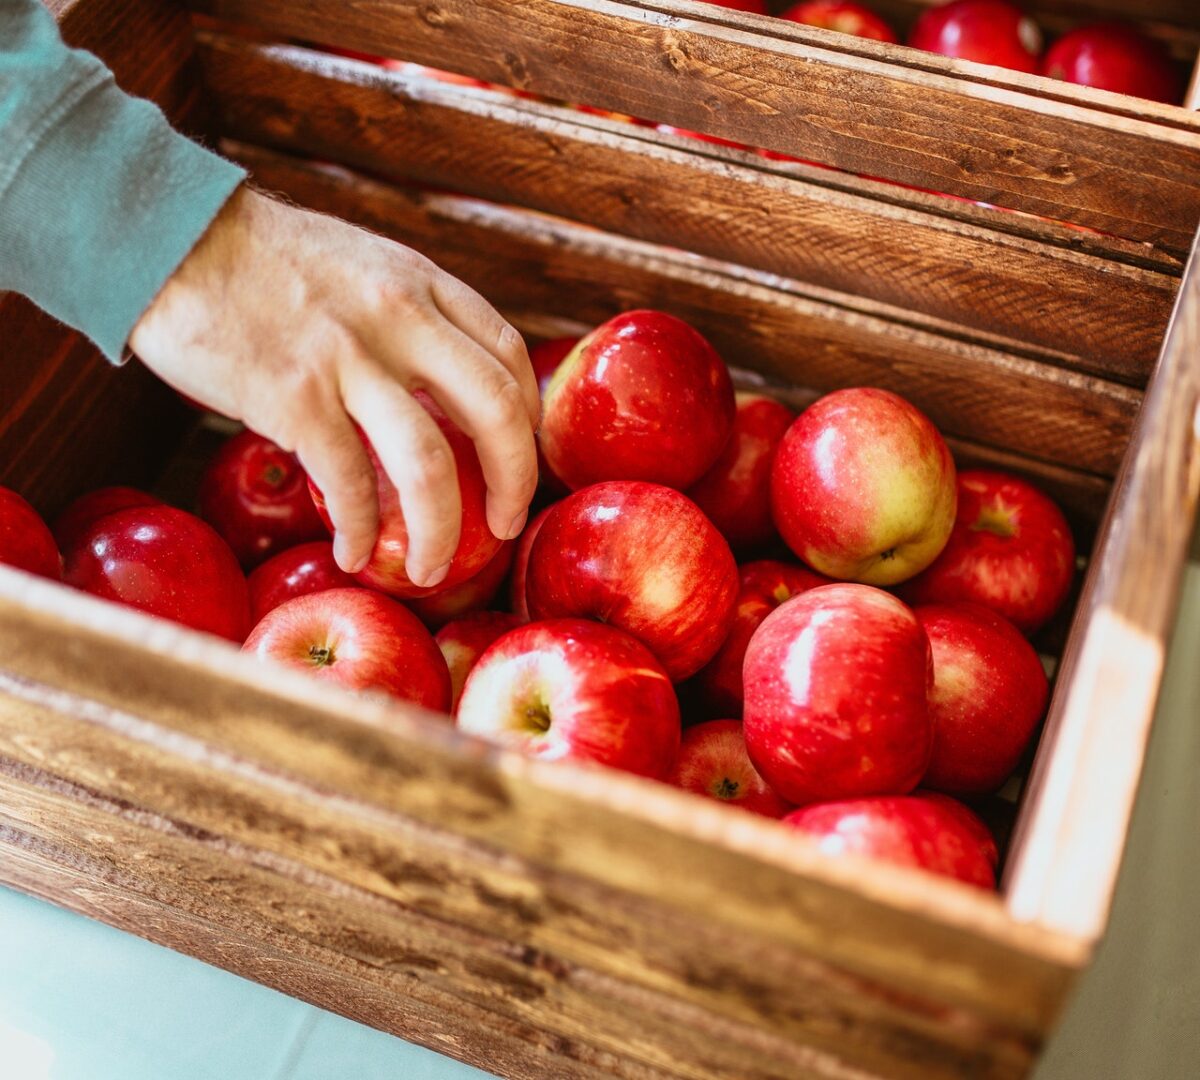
(301, 325)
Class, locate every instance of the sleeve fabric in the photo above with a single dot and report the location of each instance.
(100, 199)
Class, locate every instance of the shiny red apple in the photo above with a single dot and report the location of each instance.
(474, 594)
(986, 31)
(736, 492)
(165, 562)
(925, 831)
(844, 16)
(465, 639)
(763, 586)
(518, 602)
(476, 545)
(989, 692)
(641, 557)
(1118, 57)
(574, 690)
(545, 358)
(1011, 550)
(713, 761)
(71, 523)
(642, 397)
(304, 569)
(862, 487)
(836, 684)
(25, 539)
(359, 640)
(256, 496)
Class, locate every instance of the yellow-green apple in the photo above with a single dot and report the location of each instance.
(989, 692)
(642, 397)
(736, 492)
(1011, 550)
(862, 487)
(25, 539)
(518, 603)
(476, 545)
(763, 586)
(545, 358)
(574, 690)
(304, 569)
(986, 31)
(712, 761)
(356, 639)
(465, 639)
(641, 557)
(927, 831)
(836, 683)
(845, 16)
(474, 594)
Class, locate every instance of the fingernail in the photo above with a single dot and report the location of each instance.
(341, 556)
(435, 578)
(518, 523)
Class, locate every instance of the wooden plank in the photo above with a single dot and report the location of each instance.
(1078, 801)
(789, 332)
(1108, 319)
(1103, 160)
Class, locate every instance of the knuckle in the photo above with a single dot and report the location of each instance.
(506, 403)
(432, 464)
(398, 295)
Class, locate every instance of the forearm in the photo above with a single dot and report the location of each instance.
(100, 200)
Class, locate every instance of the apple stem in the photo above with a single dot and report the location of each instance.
(726, 788)
(321, 655)
(537, 716)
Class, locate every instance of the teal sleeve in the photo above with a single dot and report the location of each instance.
(100, 199)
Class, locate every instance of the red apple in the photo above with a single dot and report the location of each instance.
(25, 540)
(986, 31)
(256, 496)
(474, 594)
(517, 598)
(926, 831)
(1011, 550)
(301, 570)
(764, 586)
(165, 562)
(71, 523)
(736, 492)
(862, 487)
(836, 686)
(545, 358)
(1115, 56)
(713, 761)
(476, 544)
(757, 7)
(573, 690)
(643, 558)
(642, 397)
(989, 692)
(843, 16)
(359, 640)
(465, 639)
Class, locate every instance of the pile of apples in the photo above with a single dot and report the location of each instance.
(812, 691)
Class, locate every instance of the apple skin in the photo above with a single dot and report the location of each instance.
(755, 7)
(166, 562)
(71, 523)
(1011, 550)
(642, 397)
(1115, 56)
(862, 487)
(735, 493)
(836, 696)
(25, 539)
(359, 640)
(641, 557)
(763, 586)
(989, 692)
(843, 16)
(304, 569)
(256, 496)
(545, 358)
(476, 545)
(474, 594)
(465, 639)
(574, 690)
(713, 762)
(986, 31)
(668, 129)
(927, 831)
(518, 602)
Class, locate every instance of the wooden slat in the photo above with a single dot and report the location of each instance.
(795, 335)
(1106, 318)
(1097, 159)
(1061, 872)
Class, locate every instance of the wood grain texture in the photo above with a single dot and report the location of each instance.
(1081, 792)
(1114, 163)
(1107, 318)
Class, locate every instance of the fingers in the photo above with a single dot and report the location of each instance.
(418, 460)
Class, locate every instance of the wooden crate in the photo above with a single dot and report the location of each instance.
(547, 921)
